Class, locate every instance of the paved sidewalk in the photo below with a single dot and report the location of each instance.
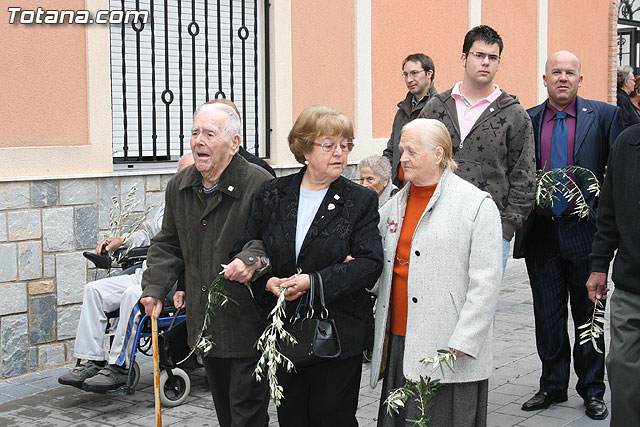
(38, 399)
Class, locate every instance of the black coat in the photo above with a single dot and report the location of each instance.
(346, 224)
(628, 112)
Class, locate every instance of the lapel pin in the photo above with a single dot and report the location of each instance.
(331, 206)
(335, 196)
(492, 109)
(230, 188)
(584, 109)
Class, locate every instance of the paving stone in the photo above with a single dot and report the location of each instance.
(503, 420)
(108, 188)
(42, 319)
(29, 260)
(41, 287)
(3, 227)
(78, 191)
(68, 317)
(49, 266)
(14, 343)
(154, 182)
(542, 420)
(13, 298)
(50, 355)
(86, 225)
(44, 193)
(9, 264)
(70, 277)
(24, 225)
(14, 195)
(57, 226)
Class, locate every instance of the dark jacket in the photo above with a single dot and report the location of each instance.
(618, 213)
(403, 116)
(252, 158)
(346, 224)
(628, 112)
(497, 156)
(198, 238)
(597, 127)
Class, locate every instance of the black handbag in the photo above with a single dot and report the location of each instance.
(316, 334)
(172, 343)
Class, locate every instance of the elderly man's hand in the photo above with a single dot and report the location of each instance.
(597, 286)
(149, 304)
(110, 244)
(180, 299)
(238, 271)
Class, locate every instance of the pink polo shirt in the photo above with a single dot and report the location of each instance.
(468, 114)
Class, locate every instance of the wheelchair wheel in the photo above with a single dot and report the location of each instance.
(135, 374)
(174, 394)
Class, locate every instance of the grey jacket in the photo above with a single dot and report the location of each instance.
(198, 238)
(403, 116)
(498, 155)
(455, 272)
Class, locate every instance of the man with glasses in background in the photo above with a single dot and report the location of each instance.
(418, 72)
(490, 131)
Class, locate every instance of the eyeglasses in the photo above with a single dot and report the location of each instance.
(414, 73)
(481, 55)
(329, 145)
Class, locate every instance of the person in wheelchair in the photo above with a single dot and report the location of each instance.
(104, 296)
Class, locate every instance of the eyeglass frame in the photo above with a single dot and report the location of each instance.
(490, 57)
(325, 143)
(414, 73)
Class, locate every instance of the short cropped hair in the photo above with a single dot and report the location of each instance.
(483, 33)
(623, 73)
(379, 165)
(425, 62)
(232, 124)
(315, 121)
(434, 134)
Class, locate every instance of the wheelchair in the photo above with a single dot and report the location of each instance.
(175, 384)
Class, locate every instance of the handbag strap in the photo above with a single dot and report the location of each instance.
(324, 314)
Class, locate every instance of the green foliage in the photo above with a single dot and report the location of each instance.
(594, 328)
(563, 180)
(422, 391)
(271, 357)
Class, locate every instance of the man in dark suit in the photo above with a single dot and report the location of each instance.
(556, 243)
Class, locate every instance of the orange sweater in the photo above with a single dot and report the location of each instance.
(416, 204)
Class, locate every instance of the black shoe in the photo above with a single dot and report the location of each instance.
(596, 408)
(543, 400)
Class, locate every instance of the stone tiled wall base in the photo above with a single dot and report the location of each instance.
(45, 226)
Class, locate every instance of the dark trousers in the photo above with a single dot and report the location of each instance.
(322, 395)
(557, 258)
(239, 399)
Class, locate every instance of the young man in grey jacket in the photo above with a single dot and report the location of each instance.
(491, 132)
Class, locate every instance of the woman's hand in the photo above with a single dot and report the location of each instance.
(457, 353)
(294, 286)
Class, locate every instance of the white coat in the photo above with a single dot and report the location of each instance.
(455, 271)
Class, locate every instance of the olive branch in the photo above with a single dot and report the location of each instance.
(217, 297)
(594, 328)
(563, 181)
(422, 391)
(268, 345)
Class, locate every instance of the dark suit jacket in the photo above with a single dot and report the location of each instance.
(597, 127)
(346, 224)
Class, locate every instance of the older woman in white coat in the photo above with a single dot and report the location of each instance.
(441, 278)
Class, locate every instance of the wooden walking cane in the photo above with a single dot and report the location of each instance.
(156, 366)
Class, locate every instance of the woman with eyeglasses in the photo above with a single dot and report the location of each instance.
(318, 221)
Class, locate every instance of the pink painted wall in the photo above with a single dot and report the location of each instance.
(517, 24)
(323, 54)
(584, 31)
(400, 29)
(43, 81)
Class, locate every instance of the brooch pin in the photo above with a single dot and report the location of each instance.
(230, 188)
(492, 109)
(335, 196)
(392, 225)
(331, 206)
